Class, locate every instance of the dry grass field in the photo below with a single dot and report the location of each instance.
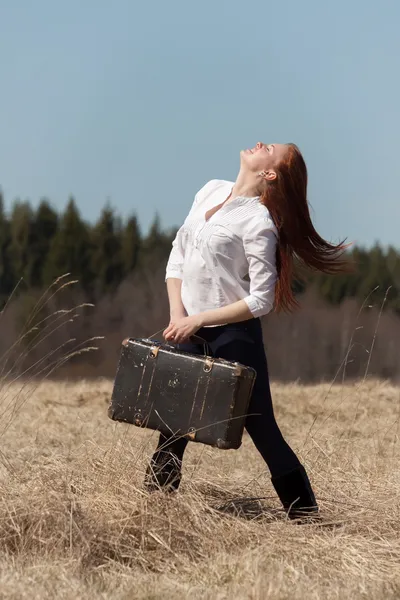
(75, 521)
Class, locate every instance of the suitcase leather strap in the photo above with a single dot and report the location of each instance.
(199, 399)
(147, 378)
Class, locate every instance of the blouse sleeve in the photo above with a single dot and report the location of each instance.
(260, 249)
(176, 258)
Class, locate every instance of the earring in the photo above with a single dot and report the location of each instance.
(262, 174)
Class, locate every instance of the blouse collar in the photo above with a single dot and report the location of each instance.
(244, 199)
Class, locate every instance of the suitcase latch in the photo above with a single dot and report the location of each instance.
(154, 350)
(138, 419)
(208, 365)
(191, 434)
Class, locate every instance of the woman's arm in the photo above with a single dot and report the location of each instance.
(173, 278)
(232, 313)
(176, 308)
(260, 247)
(181, 329)
(174, 270)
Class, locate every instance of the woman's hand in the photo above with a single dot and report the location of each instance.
(179, 330)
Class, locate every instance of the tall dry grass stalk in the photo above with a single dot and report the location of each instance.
(75, 521)
(16, 364)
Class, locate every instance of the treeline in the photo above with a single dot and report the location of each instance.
(38, 245)
(340, 330)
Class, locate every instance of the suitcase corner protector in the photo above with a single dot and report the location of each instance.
(238, 370)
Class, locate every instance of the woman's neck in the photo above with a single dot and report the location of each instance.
(246, 186)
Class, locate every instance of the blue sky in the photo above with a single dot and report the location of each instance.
(142, 103)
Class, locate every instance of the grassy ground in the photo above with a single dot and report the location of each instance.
(75, 521)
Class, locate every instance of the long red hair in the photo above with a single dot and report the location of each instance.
(286, 200)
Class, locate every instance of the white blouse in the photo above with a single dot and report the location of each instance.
(229, 257)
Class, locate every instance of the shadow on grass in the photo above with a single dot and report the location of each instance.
(257, 508)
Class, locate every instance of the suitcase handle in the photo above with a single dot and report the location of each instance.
(206, 347)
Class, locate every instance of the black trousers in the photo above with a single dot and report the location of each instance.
(243, 342)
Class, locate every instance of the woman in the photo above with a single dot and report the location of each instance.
(230, 264)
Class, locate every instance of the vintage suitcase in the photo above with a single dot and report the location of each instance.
(201, 398)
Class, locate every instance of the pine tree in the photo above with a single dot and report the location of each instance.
(7, 279)
(70, 249)
(130, 245)
(45, 226)
(107, 260)
(393, 263)
(156, 246)
(21, 229)
(376, 277)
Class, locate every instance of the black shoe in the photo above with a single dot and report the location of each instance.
(164, 472)
(295, 493)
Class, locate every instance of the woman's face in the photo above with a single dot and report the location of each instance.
(263, 157)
